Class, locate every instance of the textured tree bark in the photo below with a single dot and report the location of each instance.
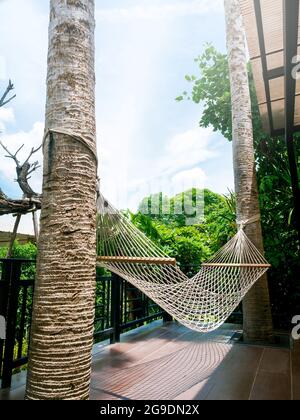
(257, 310)
(63, 315)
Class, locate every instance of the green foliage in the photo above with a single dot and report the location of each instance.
(212, 88)
(25, 251)
(190, 245)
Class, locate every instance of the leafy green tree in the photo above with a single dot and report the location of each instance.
(26, 251)
(190, 245)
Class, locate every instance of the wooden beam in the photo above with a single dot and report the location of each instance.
(281, 131)
(137, 260)
(236, 265)
(291, 29)
(262, 47)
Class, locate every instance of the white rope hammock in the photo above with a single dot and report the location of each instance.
(202, 303)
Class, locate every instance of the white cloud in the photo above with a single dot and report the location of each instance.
(169, 186)
(6, 116)
(23, 46)
(13, 142)
(3, 72)
(160, 11)
(181, 154)
(185, 180)
(178, 169)
(187, 149)
(132, 59)
(131, 66)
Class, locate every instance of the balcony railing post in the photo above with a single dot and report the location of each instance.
(12, 274)
(4, 279)
(116, 309)
(4, 283)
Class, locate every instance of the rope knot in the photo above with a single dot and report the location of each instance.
(243, 223)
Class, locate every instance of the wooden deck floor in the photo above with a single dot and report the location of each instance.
(170, 362)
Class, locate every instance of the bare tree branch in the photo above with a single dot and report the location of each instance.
(23, 176)
(2, 195)
(11, 155)
(34, 167)
(24, 170)
(3, 100)
(31, 201)
(33, 151)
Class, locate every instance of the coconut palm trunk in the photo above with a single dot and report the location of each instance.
(256, 306)
(63, 314)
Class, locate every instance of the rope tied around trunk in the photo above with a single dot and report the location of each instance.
(243, 223)
(77, 137)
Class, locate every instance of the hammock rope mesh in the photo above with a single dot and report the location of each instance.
(202, 303)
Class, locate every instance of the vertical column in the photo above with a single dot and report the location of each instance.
(12, 274)
(291, 22)
(116, 308)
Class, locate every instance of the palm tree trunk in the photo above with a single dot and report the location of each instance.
(63, 315)
(257, 310)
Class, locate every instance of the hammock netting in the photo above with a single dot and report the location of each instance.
(202, 303)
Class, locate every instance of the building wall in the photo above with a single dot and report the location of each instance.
(21, 238)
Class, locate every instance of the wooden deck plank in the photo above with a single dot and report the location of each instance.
(124, 354)
(234, 378)
(149, 373)
(171, 362)
(271, 387)
(295, 359)
(173, 371)
(273, 381)
(276, 360)
(119, 371)
(202, 388)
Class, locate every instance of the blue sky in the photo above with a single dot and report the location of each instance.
(147, 142)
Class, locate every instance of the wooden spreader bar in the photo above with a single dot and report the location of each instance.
(137, 260)
(236, 265)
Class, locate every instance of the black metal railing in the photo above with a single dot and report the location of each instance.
(16, 295)
(119, 307)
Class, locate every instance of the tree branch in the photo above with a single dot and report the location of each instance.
(2, 195)
(31, 200)
(24, 170)
(34, 167)
(33, 151)
(10, 155)
(8, 206)
(3, 100)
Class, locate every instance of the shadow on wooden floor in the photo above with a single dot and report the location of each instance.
(175, 363)
(170, 362)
